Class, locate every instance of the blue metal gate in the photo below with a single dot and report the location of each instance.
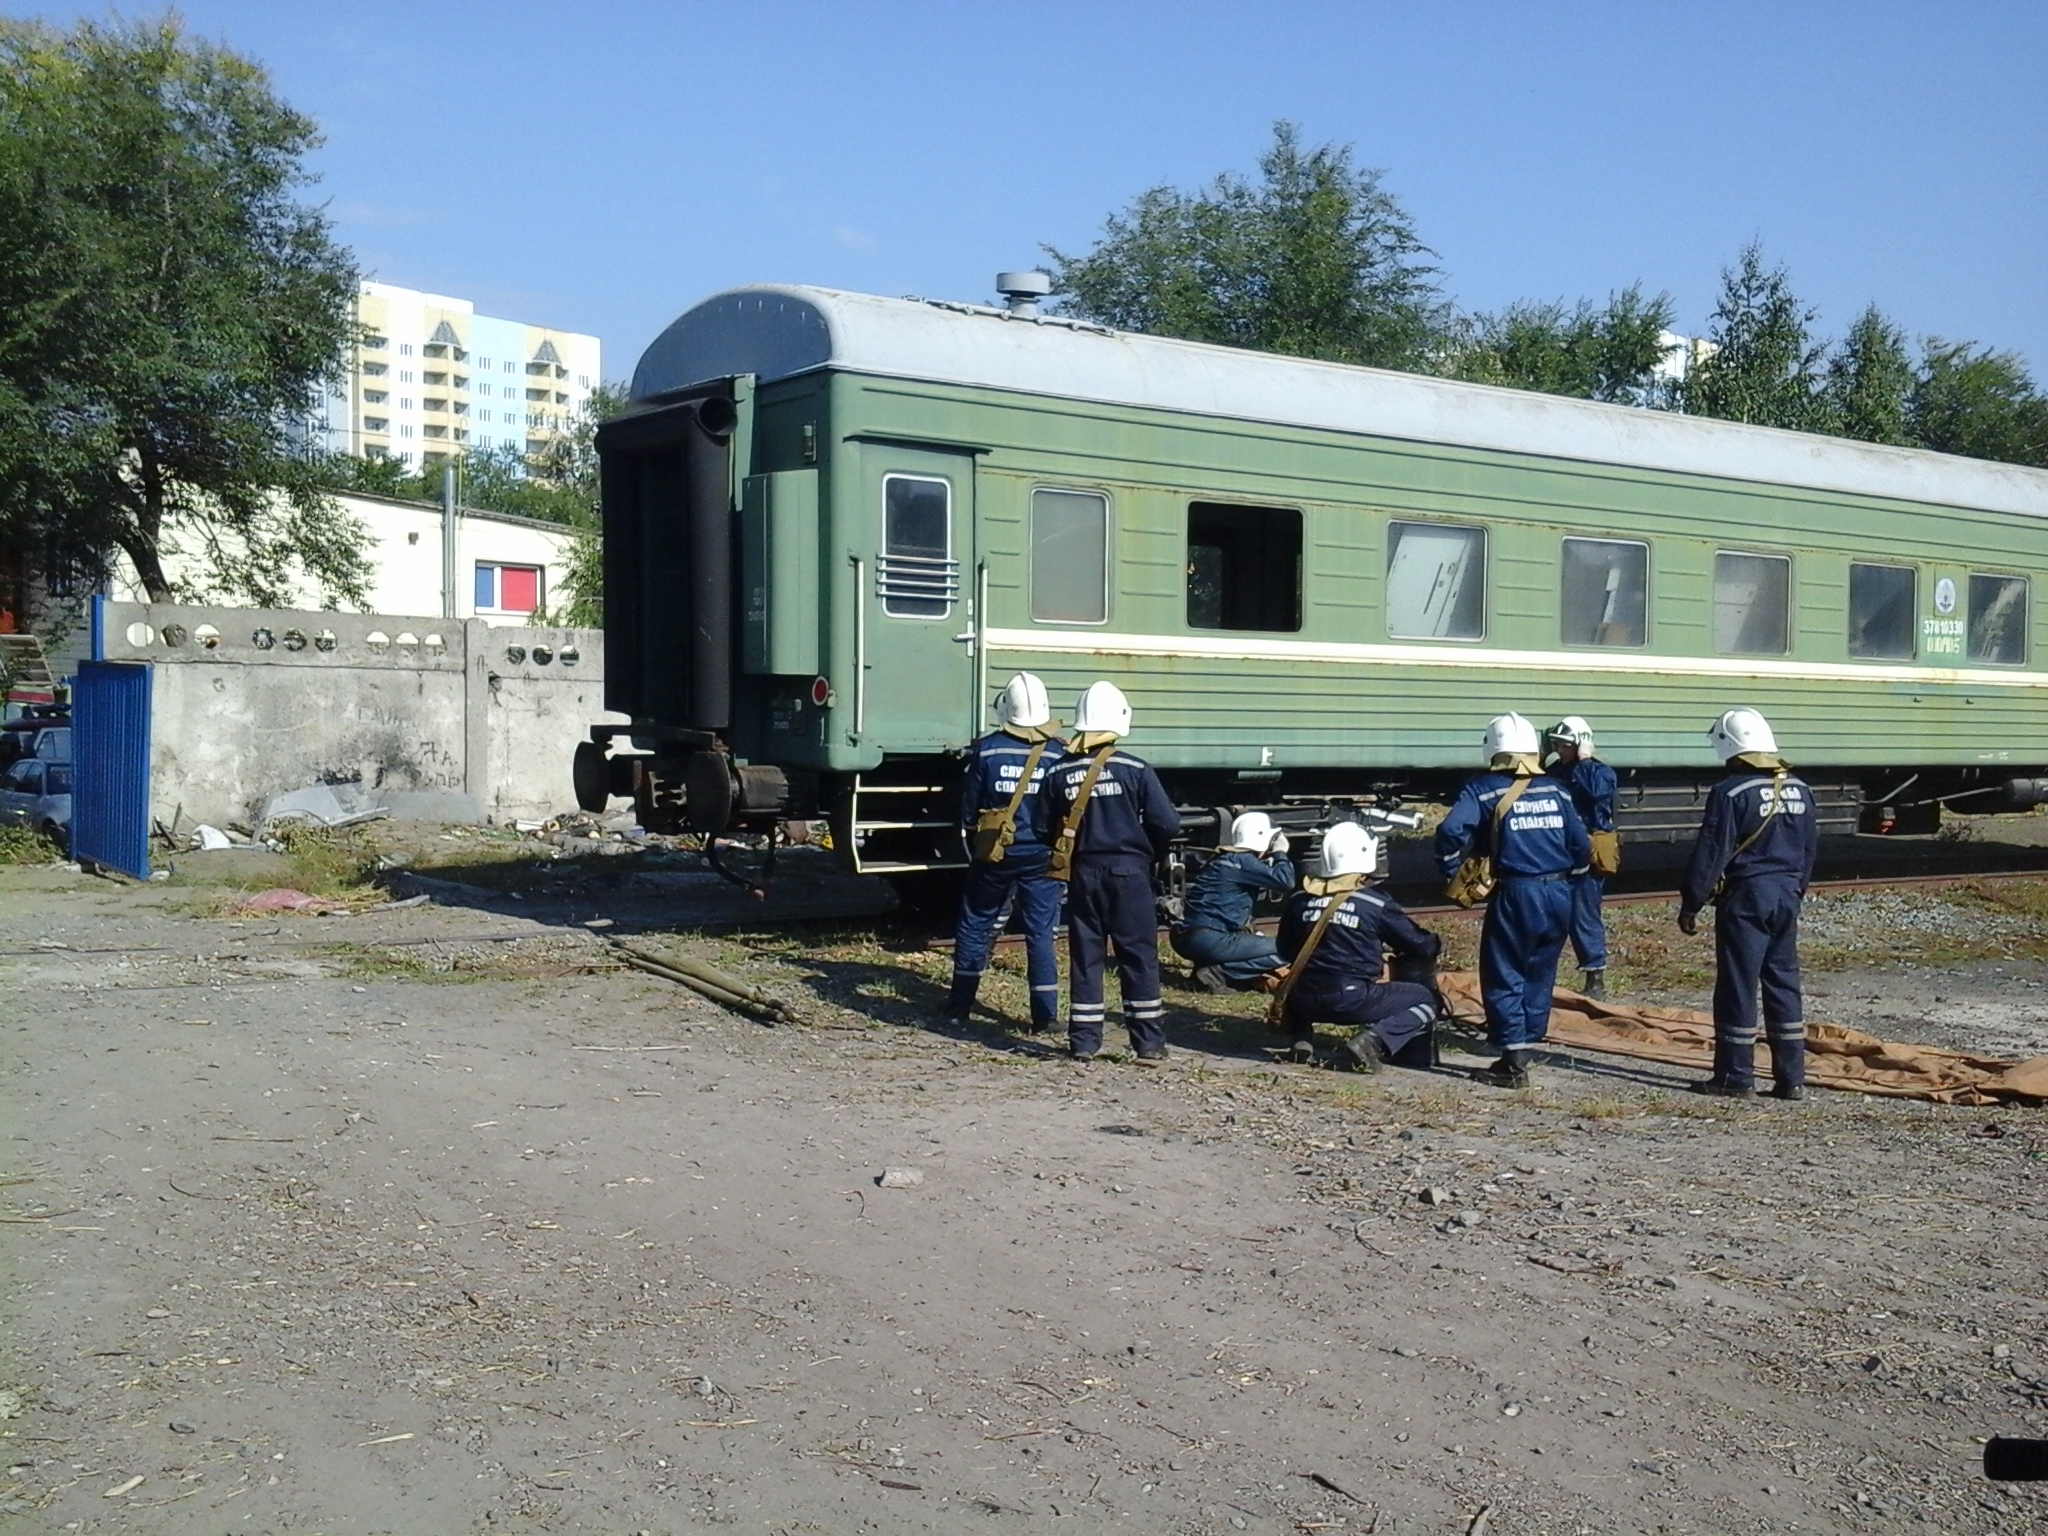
(110, 766)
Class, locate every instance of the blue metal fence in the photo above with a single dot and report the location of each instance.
(110, 765)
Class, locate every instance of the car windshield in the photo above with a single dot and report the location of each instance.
(57, 779)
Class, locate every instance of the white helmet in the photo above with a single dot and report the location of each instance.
(1348, 849)
(1023, 702)
(1573, 731)
(1510, 733)
(1253, 831)
(1103, 710)
(1739, 731)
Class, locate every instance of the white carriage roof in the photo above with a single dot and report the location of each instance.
(776, 332)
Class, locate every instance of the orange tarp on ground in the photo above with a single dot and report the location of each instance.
(1835, 1057)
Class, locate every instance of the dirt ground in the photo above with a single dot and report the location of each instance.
(437, 1220)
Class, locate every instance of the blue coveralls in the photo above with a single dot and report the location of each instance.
(1215, 928)
(1542, 843)
(994, 765)
(1592, 784)
(1756, 918)
(1125, 830)
(1341, 984)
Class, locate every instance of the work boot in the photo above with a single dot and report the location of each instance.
(1595, 985)
(958, 1005)
(1362, 1052)
(1722, 1088)
(1511, 1071)
(1154, 1057)
(1791, 1093)
(1210, 978)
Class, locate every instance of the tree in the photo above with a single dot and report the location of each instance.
(1609, 352)
(1979, 403)
(1315, 258)
(557, 485)
(1869, 384)
(168, 313)
(1761, 363)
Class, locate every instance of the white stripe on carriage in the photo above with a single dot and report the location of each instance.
(1451, 654)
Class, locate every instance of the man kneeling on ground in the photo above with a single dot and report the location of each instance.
(1216, 934)
(1336, 934)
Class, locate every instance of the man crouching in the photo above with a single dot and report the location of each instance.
(1336, 933)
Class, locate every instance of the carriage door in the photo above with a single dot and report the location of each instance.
(921, 679)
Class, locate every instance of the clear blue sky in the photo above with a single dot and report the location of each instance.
(601, 166)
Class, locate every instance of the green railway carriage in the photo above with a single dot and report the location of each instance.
(835, 523)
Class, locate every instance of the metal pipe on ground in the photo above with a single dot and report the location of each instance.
(708, 982)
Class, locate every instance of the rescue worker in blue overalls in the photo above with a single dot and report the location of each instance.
(1526, 822)
(1592, 785)
(1109, 821)
(1006, 770)
(1215, 930)
(1753, 860)
(1338, 980)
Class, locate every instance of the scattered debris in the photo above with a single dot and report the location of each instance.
(210, 839)
(330, 805)
(900, 1178)
(284, 899)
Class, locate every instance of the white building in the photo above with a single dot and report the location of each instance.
(432, 378)
(507, 568)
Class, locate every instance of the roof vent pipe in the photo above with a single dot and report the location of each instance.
(1021, 291)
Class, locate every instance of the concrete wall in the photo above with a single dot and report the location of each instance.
(446, 716)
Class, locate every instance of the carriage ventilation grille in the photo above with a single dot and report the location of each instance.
(919, 578)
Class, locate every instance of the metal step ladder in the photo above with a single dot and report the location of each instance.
(25, 667)
(902, 823)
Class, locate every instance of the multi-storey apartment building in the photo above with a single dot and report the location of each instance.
(432, 378)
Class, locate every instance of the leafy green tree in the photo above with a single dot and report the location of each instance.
(1867, 391)
(557, 485)
(1605, 352)
(1314, 258)
(168, 314)
(1980, 403)
(1761, 363)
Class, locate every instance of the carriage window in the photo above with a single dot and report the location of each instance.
(1244, 567)
(1069, 557)
(917, 576)
(1605, 598)
(1436, 582)
(1998, 619)
(1882, 604)
(1752, 604)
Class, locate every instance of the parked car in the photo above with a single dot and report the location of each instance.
(47, 736)
(37, 794)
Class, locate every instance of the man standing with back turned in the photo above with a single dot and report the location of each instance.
(1753, 860)
(1109, 820)
(1525, 821)
(1002, 819)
